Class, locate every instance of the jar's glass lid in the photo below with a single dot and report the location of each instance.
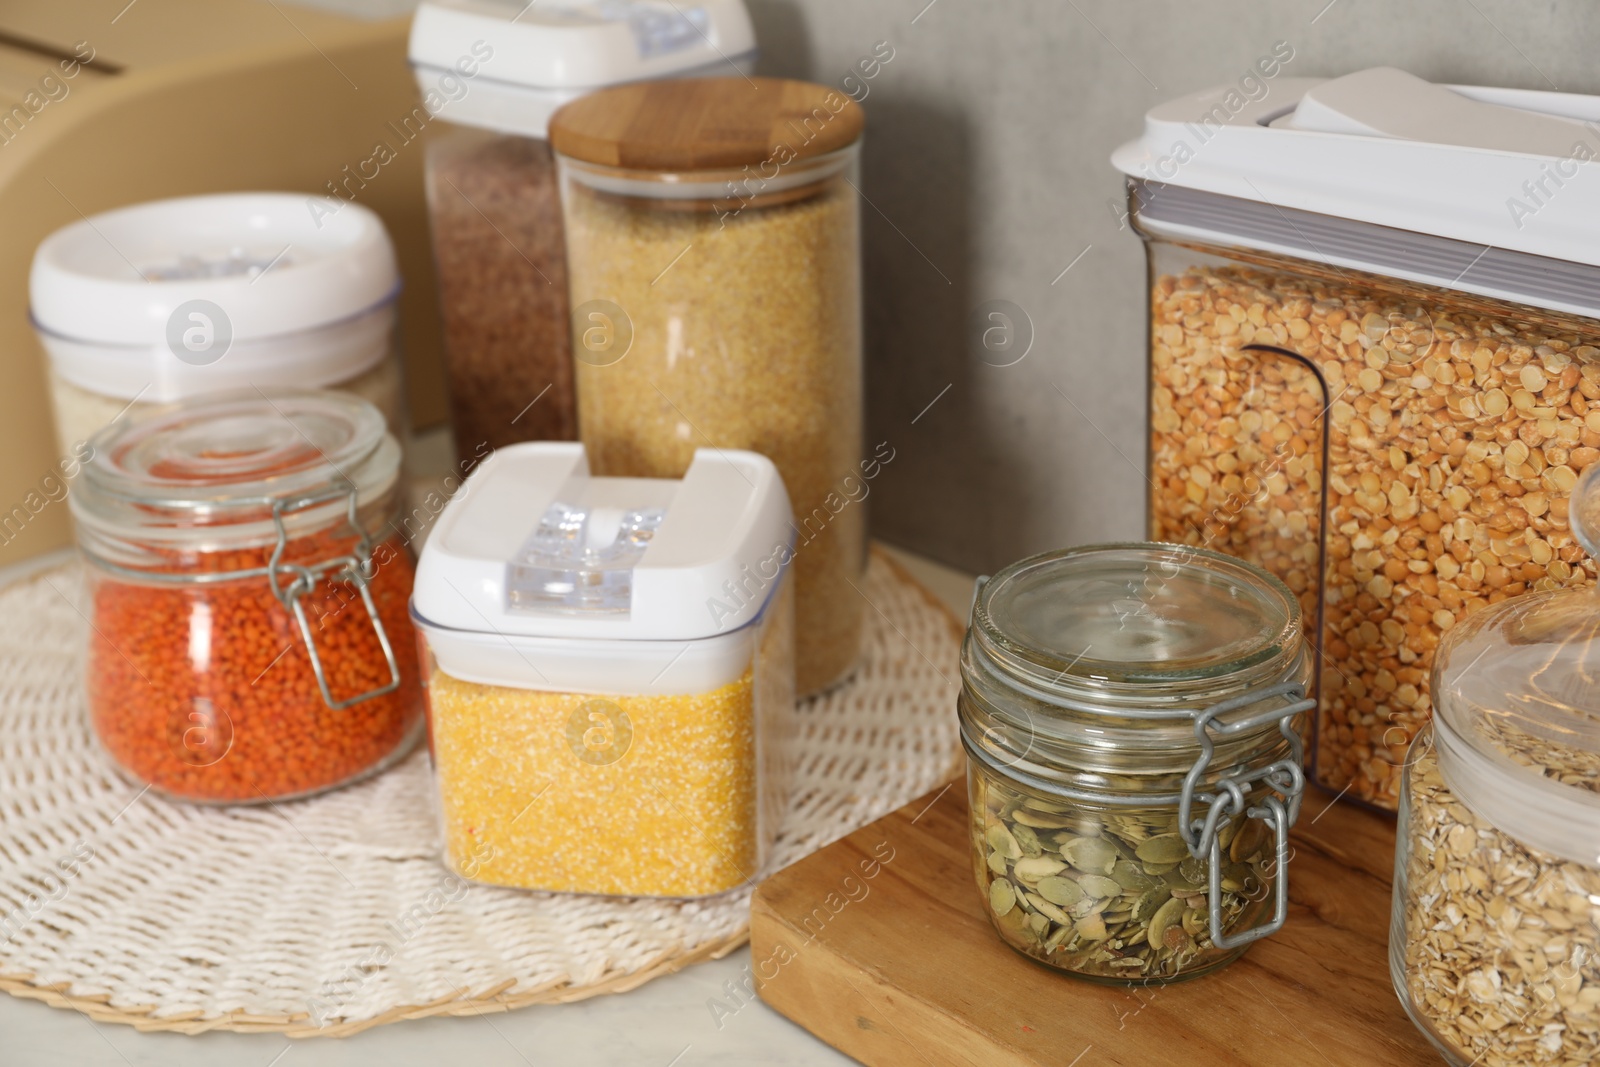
(1516, 696)
(227, 459)
(1141, 614)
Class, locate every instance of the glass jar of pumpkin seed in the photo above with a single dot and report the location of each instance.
(1133, 717)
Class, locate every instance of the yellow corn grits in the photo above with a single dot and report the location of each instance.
(570, 799)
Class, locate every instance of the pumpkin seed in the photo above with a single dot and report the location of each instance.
(1040, 820)
(1237, 877)
(1116, 895)
(1093, 928)
(1092, 855)
(1087, 906)
(1169, 913)
(1190, 876)
(1177, 939)
(1001, 841)
(1045, 908)
(1099, 886)
(1002, 898)
(1033, 868)
(1181, 885)
(1063, 891)
(1163, 848)
(1251, 836)
(1129, 875)
(1149, 903)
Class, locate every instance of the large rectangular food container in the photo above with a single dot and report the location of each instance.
(611, 675)
(1374, 362)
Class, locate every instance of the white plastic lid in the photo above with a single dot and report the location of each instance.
(539, 575)
(509, 65)
(265, 259)
(1508, 170)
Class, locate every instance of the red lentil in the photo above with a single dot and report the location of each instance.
(206, 691)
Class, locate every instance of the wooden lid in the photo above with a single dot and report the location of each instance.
(686, 124)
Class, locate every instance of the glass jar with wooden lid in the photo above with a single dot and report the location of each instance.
(713, 239)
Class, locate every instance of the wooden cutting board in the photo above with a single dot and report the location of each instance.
(879, 945)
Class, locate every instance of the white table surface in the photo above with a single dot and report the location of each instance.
(665, 1023)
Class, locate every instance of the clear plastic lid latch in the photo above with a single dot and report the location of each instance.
(580, 560)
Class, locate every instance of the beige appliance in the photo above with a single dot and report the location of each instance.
(110, 102)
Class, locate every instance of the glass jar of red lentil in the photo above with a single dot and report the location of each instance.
(249, 639)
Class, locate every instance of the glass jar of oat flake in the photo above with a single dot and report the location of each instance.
(713, 255)
(1374, 363)
(1132, 716)
(1495, 945)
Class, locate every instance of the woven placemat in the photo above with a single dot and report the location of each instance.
(330, 915)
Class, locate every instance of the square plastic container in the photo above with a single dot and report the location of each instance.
(611, 673)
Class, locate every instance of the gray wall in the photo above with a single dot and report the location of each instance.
(988, 138)
(987, 174)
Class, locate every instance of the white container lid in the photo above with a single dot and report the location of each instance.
(264, 259)
(1511, 173)
(543, 55)
(539, 575)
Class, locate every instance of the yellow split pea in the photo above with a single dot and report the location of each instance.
(1455, 429)
(620, 795)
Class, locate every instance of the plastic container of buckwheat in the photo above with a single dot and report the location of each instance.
(496, 73)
